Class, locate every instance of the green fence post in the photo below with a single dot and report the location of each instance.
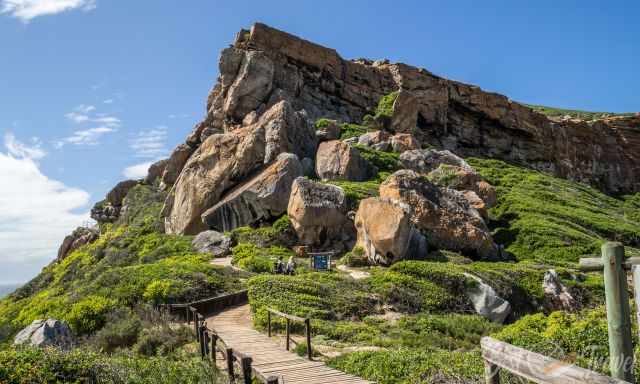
(618, 313)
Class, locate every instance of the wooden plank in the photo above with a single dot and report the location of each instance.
(594, 264)
(286, 315)
(539, 368)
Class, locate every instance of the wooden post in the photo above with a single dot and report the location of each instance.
(618, 313)
(206, 341)
(201, 334)
(195, 324)
(214, 341)
(636, 292)
(229, 353)
(307, 325)
(288, 332)
(245, 363)
(269, 322)
(188, 318)
(491, 373)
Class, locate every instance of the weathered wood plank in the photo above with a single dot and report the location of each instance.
(539, 368)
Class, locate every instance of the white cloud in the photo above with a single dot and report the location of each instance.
(26, 10)
(19, 150)
(150, 144)
(36, 212)
(85, 114)
(137, 171)
(108, 101)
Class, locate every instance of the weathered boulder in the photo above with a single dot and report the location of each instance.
(386, 233)
(426, 160)
(442, 214)
(287, 130)
(108, 210)
(46, 333)
(476, 203)
(262, 197)
(80, 236)
(318, 212)
(402, 142)
(376, 139)
(327, 130)
(464, 180)
(216, 166)
(155, 171)
(175, 163)
(338, 160)
(486, 301)
(556, 295)
(212, 242)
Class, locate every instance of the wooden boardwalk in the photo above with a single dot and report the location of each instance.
(234, 326)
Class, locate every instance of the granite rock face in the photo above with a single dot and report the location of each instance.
(80, 236)
(261, 198)
(108, 210)
(337, 160)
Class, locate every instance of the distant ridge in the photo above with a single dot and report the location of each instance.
(6, 289)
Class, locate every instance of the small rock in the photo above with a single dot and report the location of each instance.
(328, 130)
(402, 142)
(212, 242)
(46, 333)
(376, 137)
(557, 296)
(486, 301)
(426, 160)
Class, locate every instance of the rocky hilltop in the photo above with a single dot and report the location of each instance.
(274, 86)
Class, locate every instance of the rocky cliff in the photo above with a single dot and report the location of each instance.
(273, 86)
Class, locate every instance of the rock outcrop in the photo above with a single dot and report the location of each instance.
(108, 210)
(556, 294)
(80, 236)
(328, 130)
(261, 198)
(337, 160)
(46, 333)
(174, 165)
(386, 233)
(318, 213)
(212, 242)
(156, 170)
(444, 215)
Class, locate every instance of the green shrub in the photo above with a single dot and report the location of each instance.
(89, 315)
(384, 161)
(385, 105)
(162, 340)
(352, 130)
(355, 258)
(120, 331)
(252, 258)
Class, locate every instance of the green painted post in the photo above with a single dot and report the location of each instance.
(618, 312)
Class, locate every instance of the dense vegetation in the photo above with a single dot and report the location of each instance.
(584, 115)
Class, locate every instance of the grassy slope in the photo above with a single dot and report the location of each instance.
(585, 115)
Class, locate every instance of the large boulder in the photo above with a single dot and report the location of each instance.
(556, 294)
(80, 236)
(486, 301)
(46, 333)
(318, 212)
(426, 160)
(386, 233)
(379, 140)
(287, 130)
(175, 163)
(444, 215)
(262, 197)
(213, 242)
(214, 168)
(337, 160)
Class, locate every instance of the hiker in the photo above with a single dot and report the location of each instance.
(279, 266)
(291, 266)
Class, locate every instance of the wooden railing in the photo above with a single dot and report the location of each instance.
(289, 319)
(209, 341)
(532, 366)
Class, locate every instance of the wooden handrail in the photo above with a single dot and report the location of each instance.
(534, 367)
(289, 318)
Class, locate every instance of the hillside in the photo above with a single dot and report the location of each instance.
(430, 193)
(7, 289)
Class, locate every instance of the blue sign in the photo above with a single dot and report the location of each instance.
(321, 262)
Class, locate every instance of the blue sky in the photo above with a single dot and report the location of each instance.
(90, 90)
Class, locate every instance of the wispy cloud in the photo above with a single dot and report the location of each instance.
(179, 116)
(86, 114)
(26, 10)
(19, 150)
(150, 144)
(108, 101)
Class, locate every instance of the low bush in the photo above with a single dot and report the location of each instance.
(120, 331)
